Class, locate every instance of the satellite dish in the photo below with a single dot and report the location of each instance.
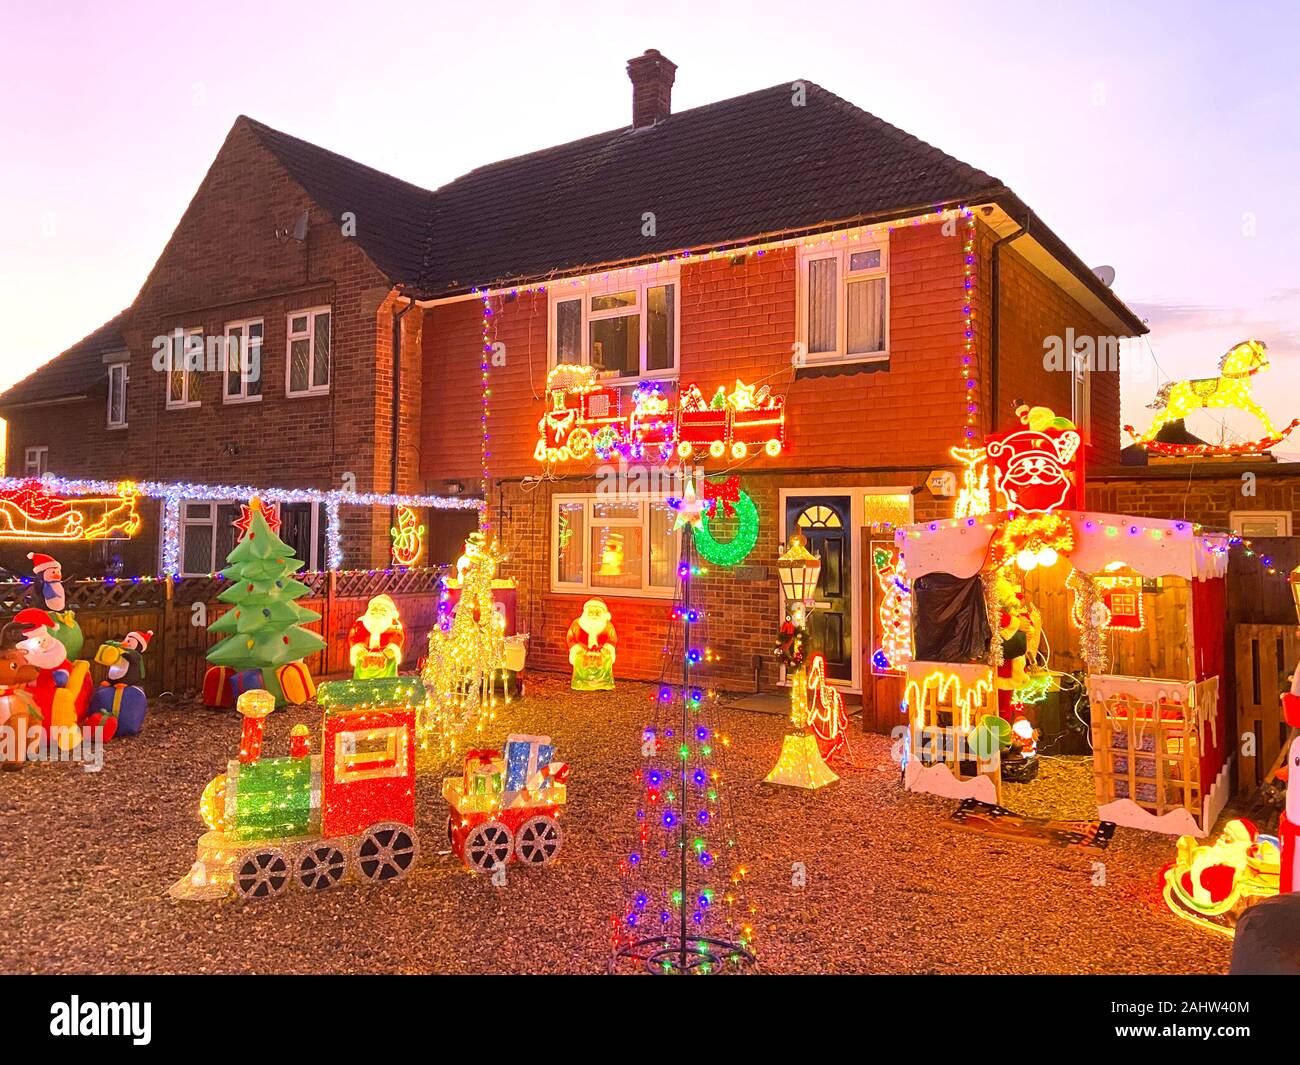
(1105, 274)
(300, 233)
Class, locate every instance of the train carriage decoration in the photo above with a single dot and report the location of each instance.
(308, 820)
(587, 419)
(506, 805)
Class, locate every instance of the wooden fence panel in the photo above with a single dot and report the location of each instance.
(1265, 656)
(181, 612)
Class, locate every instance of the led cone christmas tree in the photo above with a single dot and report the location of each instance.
(685, 910)
(264, 630)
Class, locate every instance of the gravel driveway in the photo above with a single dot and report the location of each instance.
(86, 860)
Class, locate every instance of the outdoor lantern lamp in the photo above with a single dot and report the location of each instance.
(800, 764)
(799, 569)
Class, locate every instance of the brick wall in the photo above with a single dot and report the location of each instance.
(1207, 492)
(1033, 308)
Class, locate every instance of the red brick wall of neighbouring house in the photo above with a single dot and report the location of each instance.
(1199, 491)
(1033, 309)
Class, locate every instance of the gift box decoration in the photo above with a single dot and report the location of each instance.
(525, 755)
(217, 691)
(296, 683)
(249, 680)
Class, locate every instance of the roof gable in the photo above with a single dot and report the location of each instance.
(393, 216)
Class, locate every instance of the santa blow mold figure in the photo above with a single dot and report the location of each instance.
(376, 640)
(591, 640)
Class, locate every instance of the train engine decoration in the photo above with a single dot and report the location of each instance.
(586, 419)
(506, 805)
(309, 819)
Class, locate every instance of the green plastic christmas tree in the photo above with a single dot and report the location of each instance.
(264, 630)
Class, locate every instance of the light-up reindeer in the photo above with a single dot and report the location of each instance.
(1231, 388)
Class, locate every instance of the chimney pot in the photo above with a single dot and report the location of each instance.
(652, 87)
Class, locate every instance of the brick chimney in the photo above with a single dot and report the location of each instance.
(652, 87)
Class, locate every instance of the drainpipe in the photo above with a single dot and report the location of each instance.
(397, 386)
(996, 316)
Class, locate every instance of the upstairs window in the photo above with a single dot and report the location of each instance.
(308, 355)
(185, 355)
(36, 461)
(843, 303)
(625, 329)
(117, 381)
(243, 367)
(1081, 393)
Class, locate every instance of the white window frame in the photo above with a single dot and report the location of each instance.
(119, 371)
(1081, 393)
(583, 289)
(1237, 518)
(184, 521)
(187, 401)
(36, 461)
(843, 278)
(311, 314)
(585, 587)
(243, 396)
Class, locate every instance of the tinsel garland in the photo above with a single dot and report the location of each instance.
(989, 579)
(1092, 642)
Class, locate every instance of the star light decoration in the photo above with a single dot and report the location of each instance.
(690, 508)
(246, 512)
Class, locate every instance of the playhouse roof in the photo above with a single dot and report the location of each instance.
(1153, 547)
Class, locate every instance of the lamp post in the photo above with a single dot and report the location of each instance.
(801, 764)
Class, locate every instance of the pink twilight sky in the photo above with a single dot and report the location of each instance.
(1162, 138)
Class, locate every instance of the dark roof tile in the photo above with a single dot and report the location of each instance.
(74, 374)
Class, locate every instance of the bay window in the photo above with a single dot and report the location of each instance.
(613, 545)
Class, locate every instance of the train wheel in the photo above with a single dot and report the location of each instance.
(538, 840)
(717, 449)
(322, 865)
(684, 450)
(387, 851)
(739, 450)
(262, 874)
(773, 448)
(487, 846)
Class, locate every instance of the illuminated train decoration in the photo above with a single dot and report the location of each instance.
(586, 419)
(308, 819)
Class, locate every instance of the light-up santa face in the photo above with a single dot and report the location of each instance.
(380, 616)
(1034, 469)
(595, 617)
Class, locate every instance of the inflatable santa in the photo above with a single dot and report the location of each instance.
(376, 640)
(592, 639)
(62, 689)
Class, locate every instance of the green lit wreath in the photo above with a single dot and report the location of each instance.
(737, 549)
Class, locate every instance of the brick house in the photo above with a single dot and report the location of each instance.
(897, 300)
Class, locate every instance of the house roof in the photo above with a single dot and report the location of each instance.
(748, 166)
(392, 216)
(73, 374)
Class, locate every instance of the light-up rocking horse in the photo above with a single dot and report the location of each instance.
(1230, 390)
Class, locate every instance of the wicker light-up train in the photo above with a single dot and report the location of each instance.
(311, 819)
